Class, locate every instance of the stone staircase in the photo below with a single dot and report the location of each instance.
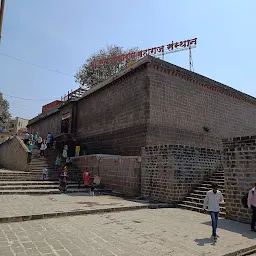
(195, 200)
(30, 181)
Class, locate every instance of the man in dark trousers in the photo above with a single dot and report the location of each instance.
(251, 202)
(212, 202)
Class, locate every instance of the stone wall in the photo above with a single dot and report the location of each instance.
(154, 102)
(14, 155)
(121, 174)
(170, 172)
(240, 174)
(51, 123)
(112, 120)
(180, 106)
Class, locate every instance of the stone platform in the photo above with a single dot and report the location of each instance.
(145, 232)
(26, 207)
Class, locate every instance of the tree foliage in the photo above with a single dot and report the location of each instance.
(4, 111)
(88, 75)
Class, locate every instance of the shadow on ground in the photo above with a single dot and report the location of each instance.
(235, 227)
(203, 241)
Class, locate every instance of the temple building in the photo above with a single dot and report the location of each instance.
(152, 102)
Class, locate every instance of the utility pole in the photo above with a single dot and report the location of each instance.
(1, 17)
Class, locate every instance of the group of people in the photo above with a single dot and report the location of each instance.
(212, 202)
(36, 140)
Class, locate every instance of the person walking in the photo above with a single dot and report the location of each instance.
(212, 201)
(26, 138)
(39, 142)
(92, 188)
(44, 173)
(43, 148)
(48, 139)
(35, 137)
(31, 136)
(63, 180)
(30, 145)
(251, 202)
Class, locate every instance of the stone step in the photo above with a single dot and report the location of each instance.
(203, 188)
(201, 195)
(201, 192)
(40, 187)
(25, 179)
(29, 182)
(218, 178)
(40, 164)
(200, 205)
(16, 175)
(209, 185)
(191, 208)
(218, 181)
(33, 192)
(42, 191)
(21, 176)
(25, 183)
(29, 187)
(199, 200)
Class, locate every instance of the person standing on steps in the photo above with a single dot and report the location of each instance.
(35, 138)
(43, 148)
(31, 136)
(49, 139)
(44, 173)
(26, 138)
(251, 202)
(212, 202)
(39, 142)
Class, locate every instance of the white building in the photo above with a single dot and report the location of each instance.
(14, 125)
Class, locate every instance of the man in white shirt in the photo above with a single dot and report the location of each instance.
(212, 202)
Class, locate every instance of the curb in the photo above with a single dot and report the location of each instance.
(243, 252)
(82, 212)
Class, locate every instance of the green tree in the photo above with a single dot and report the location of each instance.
(4, 111)
(89, 75)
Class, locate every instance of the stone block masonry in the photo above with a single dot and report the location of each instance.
(240, 174)
(14, 155)
(180, 108)
(152, 102)
(121, 174)
(170, 172)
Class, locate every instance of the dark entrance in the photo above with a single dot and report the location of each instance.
(65, 120)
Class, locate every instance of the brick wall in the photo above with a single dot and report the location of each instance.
(121, 174)
(14, 155)
(240, 174)
(180, 107)
(113, 119)
(170, 172)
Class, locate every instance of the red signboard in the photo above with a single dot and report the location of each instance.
(65, 116)
(173, 47)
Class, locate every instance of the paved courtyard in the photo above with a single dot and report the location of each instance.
(20, 205)
(132, 233)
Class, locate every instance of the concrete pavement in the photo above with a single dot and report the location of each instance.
(26, 207)
(143, 232)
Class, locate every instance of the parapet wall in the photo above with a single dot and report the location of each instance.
(14, 155)
(171, 172)
(240, 174)
(121, 174)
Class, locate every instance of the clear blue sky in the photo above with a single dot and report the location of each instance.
(61, 34)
